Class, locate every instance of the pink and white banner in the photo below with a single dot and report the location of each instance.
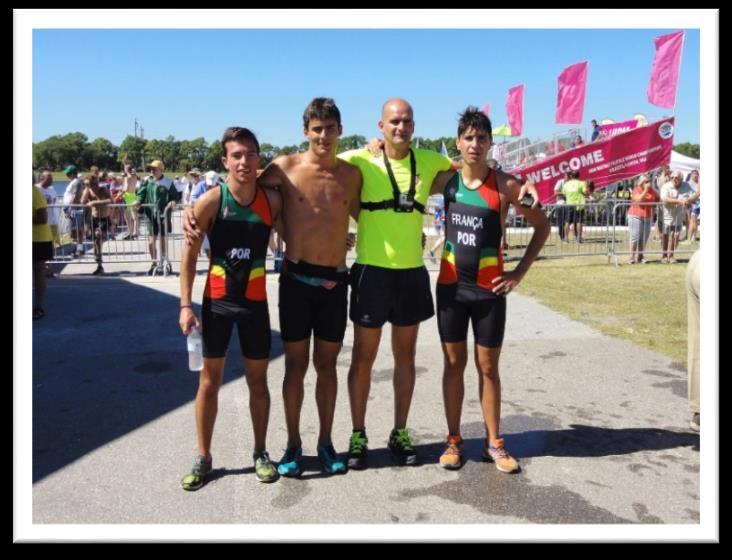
(665, 71)
(487, 109)
(515, 109)
(606, 161)
(610, 130)
(571, 94)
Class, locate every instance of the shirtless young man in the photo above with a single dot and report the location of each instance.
(98, 199)
(319, 194)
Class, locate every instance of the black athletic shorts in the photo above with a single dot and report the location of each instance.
(306, 309)
(401, 296)
(100, 224)
(456, 306)
(252, 320)
(42, 251)
(575, 215)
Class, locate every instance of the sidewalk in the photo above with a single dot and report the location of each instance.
(599, 425)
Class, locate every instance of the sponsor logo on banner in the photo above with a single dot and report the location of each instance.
(666, 130)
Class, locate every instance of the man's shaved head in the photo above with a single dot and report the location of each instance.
(396, 103)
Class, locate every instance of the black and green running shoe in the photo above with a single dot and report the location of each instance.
(357, 450)
(401, 448)
(197, 477)
(264, 468)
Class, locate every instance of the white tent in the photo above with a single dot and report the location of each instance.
(683, 163)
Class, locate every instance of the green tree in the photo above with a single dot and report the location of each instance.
(213, 157)
(287, 150)
(166, 150)
(691, 150)
(56, 152)
(267, 152)
(102, 153)
(130, 151)
(352, 142)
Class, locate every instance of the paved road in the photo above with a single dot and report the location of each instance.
(599, 425)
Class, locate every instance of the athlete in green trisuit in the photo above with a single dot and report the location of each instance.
(473, 285)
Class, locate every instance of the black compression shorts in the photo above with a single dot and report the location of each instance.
(252, 320)
(456, 306)
(306, 309)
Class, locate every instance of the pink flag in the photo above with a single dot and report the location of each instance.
(571, 94)
(515, 109)
(486, 109)
(665, 71)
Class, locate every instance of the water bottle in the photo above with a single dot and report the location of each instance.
(195, 350)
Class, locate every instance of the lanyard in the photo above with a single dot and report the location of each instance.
(412, 178)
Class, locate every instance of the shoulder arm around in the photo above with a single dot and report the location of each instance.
(206, 207)
(273, 175)
(441, 180)
(510, 186)
(275, 203)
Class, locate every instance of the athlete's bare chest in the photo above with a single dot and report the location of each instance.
(317, 189)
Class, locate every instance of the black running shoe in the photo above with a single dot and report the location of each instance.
(401, 447)
(357, 450)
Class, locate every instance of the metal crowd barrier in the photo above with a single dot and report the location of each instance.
(605, 232)
(126, 239)
(654, 245)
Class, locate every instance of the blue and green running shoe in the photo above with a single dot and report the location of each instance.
(291, 462)
(264, 468)
(196, 478)
(329, 459)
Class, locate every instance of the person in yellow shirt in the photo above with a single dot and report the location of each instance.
(389, 281)
(42, 249)
(575, 192)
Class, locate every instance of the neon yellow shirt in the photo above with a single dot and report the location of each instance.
(41, 232)
(574, 191)
(386, 238)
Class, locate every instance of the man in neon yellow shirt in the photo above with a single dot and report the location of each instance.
(574, 191)
(42, 249)
(389, 281)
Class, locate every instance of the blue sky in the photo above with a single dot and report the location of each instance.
(189, 83)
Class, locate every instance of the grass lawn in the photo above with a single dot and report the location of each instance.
(644, 304)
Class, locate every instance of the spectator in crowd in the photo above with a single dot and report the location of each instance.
(115, 214)
(662, 177)
(97, 198)
(674, 202)
(438, 224)
(157, 195)
(210, 180)
(45, 183)
(129, 188)
(596, 131)
(559, 213)
(559, 185)
(640, 217)
(75, 214)
(574, 191)
(42, 249)
(577, 141)
(182, 185)
(694, 207)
